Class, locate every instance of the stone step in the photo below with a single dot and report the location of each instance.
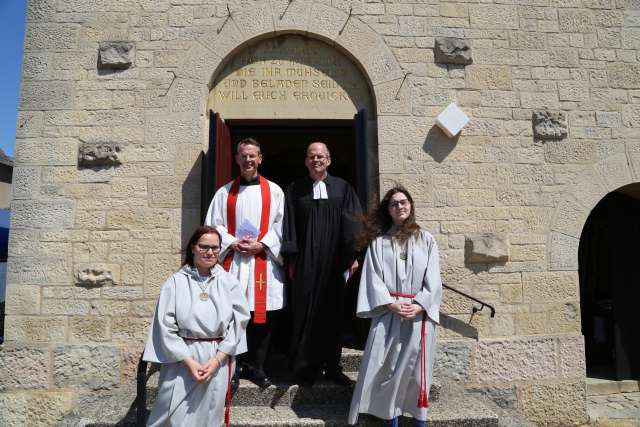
(600, 387)
(455, 413)
(289, 395)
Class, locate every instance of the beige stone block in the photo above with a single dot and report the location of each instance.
(291, 15)
(223, 38)
(38, 271)
(86, 252)
(24, 367)
(573, 91)
(326, 21)
(84, 329)
(254, 21)
(590, 188)
(554, 403)
(563, 252)
(615, 170)
(129, 359)
(64, 236)
(511, 293)
(65, 307)
(132, 267)
(110, 307)
(144, 309)
(26, 182)
(37, 409)
(564, 317)
(488, 77)
(46, 95)
(380, 64)
(571, 356)
(94, 367)
(539, 100)
(22, 299)
(129, 330)
(529, 40)
(47, 151)
(148, 152)
(576, 20)
(626, 76)
(158, 268)
(540, 287)
(188, 96)
(172, 193)
(199, 64)
(515, 359)
(30, 124)
(633, 148)
(176, 128)
(527, 253)
(139, 218)
(358, 39)
(128, 293)
(527, 323)
(570, 217)
(493, 16)
(91, 220)
(35, 328)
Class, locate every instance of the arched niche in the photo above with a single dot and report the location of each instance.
(609, 275)
(290, 76)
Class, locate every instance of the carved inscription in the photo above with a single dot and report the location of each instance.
(292, 77)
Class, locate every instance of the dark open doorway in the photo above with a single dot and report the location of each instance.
(610, 286)
(284, 146)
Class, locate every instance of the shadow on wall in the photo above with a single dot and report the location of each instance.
(438, 145)
(458, 326)
(190, 217)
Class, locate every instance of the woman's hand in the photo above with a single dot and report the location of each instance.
(196, 370)
(210, 368)
(410, 311)
(396, 307)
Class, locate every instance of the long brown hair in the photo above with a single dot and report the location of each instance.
(379, 220)
(200, 231)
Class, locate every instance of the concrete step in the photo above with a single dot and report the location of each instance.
(287, 394)
(600, 387)
(456, 413)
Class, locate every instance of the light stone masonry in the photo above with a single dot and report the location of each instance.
(122, 225)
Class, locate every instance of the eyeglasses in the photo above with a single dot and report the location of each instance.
(317, 157)
(399, 203)
(203, 249)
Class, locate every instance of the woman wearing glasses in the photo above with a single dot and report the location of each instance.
(400, 290)
(199, 321)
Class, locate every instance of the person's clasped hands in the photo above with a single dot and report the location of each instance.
(202, 373)
(406, 310)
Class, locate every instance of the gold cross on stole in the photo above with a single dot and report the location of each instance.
(261, 281)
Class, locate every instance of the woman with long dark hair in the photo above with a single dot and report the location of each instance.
(401, 291)
(198, 325)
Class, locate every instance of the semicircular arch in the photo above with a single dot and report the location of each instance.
(245, 26)
(577, 202)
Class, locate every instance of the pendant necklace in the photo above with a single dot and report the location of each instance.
(204, 295)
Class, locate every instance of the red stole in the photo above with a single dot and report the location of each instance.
(260, 273)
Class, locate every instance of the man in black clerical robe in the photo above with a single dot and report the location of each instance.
(320, 231)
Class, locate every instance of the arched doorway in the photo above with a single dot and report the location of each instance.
(609, 268)
(287, 91)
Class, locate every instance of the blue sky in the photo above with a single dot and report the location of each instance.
(12, 36)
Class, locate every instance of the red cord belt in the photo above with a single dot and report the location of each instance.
(227, 406)
(423, 400)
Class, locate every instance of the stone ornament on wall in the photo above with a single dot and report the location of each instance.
(115, 55)
(93, 277)
(486, 247)
(102, 154)
(549, 125)
(450, 50)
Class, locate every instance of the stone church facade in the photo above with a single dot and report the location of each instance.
(114, 128)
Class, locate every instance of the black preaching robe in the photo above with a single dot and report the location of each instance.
(319, 236)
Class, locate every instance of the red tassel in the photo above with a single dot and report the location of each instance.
(423, 401)
(227, 409)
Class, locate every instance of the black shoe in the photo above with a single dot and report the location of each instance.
(261, 379)
(338, 377)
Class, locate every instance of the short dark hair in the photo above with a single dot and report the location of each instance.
(200, 231)
(248, 141)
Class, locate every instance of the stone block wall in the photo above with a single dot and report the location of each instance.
(120, 221)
